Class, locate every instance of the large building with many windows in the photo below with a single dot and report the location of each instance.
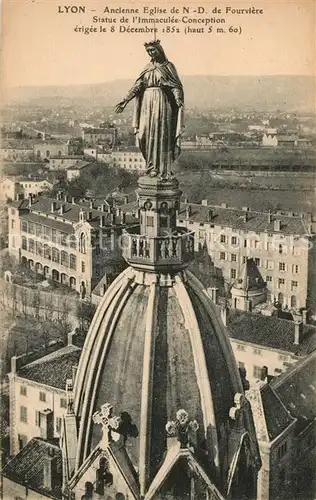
(74, 244)
(280, 245)
(128, 158)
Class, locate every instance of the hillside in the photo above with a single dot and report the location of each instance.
(239, 92)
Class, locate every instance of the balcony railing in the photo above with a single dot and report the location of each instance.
(158, 252)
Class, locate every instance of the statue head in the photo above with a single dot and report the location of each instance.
(155, 50)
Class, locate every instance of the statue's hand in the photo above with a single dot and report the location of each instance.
(120, 107)
(179, 103)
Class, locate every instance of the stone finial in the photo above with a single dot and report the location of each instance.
(110, 423)
(183, 429)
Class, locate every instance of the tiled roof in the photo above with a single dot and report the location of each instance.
(235, 218)
(46, 221)
(79, 165)
(250, 277)
(71, 212)
(27, 467)
(269, 331)
(276, 416)
(297, 389)
(54, 369)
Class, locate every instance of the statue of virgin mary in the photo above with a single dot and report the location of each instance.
(158, 113)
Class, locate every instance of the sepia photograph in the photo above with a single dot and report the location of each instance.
(158, 250)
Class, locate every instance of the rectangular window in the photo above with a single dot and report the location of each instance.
(257, 372)
(63, 402)
(12, 224)
(268, 279)
(294, 285)
(222, 255)
(23, 414)
(257, 261)
(233, 273)
(223, 238)
(23, 390)
(241, 347)
(83, 267)
(37, 418)
(234, 240)
(42, 396)
(244, 259)
(281, 281)
(295, 269)
(281, 266)
(257, 245)
(257, 351)
(31, 228)
(234, 257)
(24, 226)
(245, 243)
(282, 450)
(58, 424)
(270, 264)
(150, 221)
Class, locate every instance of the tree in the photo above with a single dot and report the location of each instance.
(85, 313)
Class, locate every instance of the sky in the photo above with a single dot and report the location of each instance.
(40, 46)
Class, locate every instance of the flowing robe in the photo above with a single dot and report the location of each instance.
(158, 120)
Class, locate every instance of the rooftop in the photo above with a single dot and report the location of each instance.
(54, 369)
(270, 331)
(297, 389)
(27, 467)
(244, 220)
(43, 205)
(276, 416)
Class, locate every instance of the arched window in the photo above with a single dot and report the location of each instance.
(293, 301)
(47, 153)
(59, 153)
(47, 252)
(64, 260)
(55, 255)
(39, 248)
(31, 246)
(38, 153)
(82, 243)
(280, 298)
(72, 261)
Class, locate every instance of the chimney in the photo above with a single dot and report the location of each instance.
(89, 215)
(304, 316)
(248, 305)
(186, 201)
(73, 200)
(49, 470)
(109, 209)
(277, 225)
(71, 338)
(59, 195)
(15, 364)
(62, 209)
(125, 199)
(224, 315)
(188, 211)
(245, 217)
(91, 204)
(123, 217)
(53, 206)
(245, 209)
(30, 201)
(66, 198)
(224, 205)
(210, 215)
(298, 332)
(102, 220)
(204, 203)
(269, 217)
(112, 218)
(47, 424)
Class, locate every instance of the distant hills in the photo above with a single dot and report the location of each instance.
(212, 91)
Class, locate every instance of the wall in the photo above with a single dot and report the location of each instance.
(33, 403)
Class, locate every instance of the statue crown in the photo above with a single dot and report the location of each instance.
(152, 43)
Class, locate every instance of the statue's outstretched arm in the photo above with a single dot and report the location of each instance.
(136, 89)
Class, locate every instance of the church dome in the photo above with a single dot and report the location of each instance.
(157, 350)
